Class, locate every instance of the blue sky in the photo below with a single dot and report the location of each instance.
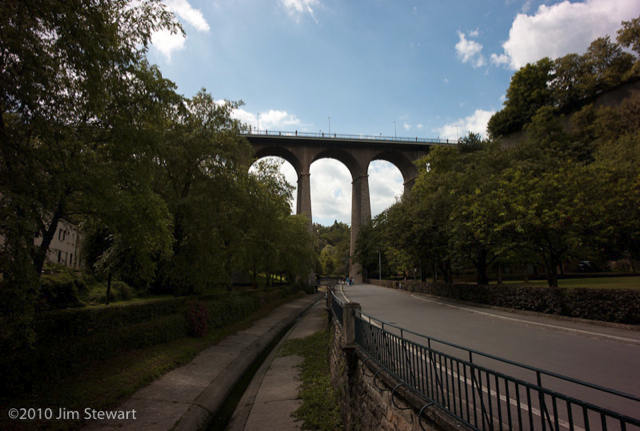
(413, 68)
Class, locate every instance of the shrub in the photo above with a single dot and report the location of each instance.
(197, 317)
(619, 306)
(121, 291)
(62, 290)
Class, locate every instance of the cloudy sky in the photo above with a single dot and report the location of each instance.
(420, 68)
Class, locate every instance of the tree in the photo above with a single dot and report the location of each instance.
(473, 221)
(202, 176)
(544, 213)
(616, 175)
(338, 236)
(606, 66)
(78, 104)
(567, 86)
(629, 35)
(267, 218)
(568, 82)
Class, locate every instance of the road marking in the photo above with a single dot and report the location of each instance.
(544, 325)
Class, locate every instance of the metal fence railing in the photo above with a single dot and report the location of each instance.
(487, 392)
(337, 306)
(342, 136)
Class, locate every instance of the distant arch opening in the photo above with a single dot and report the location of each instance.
(386, 185)
(330, 192)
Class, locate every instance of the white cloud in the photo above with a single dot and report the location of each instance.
(419, 126)
(297, 8)
(556, 30)
(183, 9)
(407, 126)
(166, 42)
(474, 33)
(469, 51)
(476, 123)
(271, 120)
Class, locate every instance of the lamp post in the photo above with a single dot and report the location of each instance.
(379, 266)
(329, 126)
(395, 133)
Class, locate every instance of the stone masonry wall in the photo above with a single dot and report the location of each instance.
(366, 393)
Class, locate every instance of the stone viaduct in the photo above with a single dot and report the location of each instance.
(355, 152)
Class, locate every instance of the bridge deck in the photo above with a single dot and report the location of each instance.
(352, 138)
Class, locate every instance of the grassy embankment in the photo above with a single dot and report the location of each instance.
(319, 410)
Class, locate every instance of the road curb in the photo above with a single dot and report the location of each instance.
(207, 404)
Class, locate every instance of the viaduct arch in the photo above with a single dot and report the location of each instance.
(355, 152)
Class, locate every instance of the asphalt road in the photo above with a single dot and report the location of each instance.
(604, 356)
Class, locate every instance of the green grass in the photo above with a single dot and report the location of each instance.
(319, 410)
(104, 385)
(587, 282)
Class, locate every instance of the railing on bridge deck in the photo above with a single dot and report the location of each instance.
(415, 140)
(460, 382)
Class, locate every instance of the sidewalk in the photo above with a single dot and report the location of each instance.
(272, 396)
(185, 398)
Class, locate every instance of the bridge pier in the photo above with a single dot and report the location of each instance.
(360, 214)
(304, 196)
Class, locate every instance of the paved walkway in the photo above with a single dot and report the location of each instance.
(272, 396)
(187, 397)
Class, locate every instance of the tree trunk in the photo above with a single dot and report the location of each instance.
(499, 273)
(434, 270)
(108, 298)
(552, 274)
(482, 276)
(47, 237)
(481, 267)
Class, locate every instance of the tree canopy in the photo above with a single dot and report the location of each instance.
(159, 183)
(569, 82)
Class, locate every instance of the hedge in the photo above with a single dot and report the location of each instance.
(68, 340)
(618, 306)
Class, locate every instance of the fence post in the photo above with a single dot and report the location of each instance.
(330, 291)
(349, 323)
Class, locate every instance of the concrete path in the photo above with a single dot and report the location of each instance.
(272, 396)
(188, 397)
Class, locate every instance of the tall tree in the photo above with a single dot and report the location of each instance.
(76, 101)
(202, 176)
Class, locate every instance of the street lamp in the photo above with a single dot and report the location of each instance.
(329, 126)
(395, 133)
(379, 266)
